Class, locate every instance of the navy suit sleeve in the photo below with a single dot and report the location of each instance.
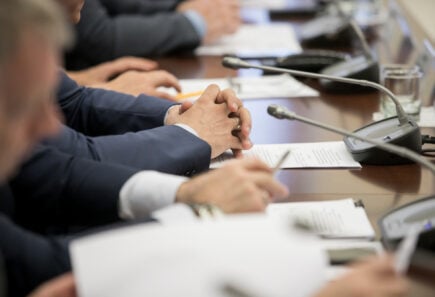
(101, 112)
(103, 36)
(54, 190)
(30, 259)
(168, 149)
(113, 117)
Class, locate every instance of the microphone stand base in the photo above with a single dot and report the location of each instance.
(387, 131)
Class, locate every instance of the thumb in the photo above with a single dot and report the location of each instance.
(185, 106)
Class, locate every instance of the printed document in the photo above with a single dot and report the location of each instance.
(331, 219)
(250, 254)
(255, 41)
(262, 87)
(331, 154)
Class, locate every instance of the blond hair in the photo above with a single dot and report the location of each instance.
(44, 16)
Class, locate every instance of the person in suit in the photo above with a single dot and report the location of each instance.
(114, 28)
(172, 150)
(27, 113)
(100, 113)
(32, 32)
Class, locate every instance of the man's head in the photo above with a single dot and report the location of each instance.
(72, 9)
(31, 33)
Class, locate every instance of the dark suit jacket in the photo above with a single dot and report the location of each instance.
(110, 29)
(56, 193)
(30, 258)
(121, 129)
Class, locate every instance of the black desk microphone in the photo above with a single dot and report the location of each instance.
(399, 130)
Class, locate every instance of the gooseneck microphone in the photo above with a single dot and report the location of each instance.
(400, 130)
(281, 112)
(397, 223)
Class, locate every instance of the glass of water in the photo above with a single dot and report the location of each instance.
(404, 82)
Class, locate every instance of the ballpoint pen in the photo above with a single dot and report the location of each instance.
(406, 249)
(281, 161)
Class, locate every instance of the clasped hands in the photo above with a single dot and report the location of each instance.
(218, 117)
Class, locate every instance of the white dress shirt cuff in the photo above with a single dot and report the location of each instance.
(184, 126)
(147, 191)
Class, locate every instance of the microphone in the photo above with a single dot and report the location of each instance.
(360, 67)
(399, 130)
(281, 112)
(397, 223)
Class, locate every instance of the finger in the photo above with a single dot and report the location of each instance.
(62, 286)
(168, 80)
(229, 97)
(237, 153)
(209, 94)
(245, 121)
(267, 182)
(185, 106)
(246, 141)
(235, 143)
(137, 63)
(131, 63)
(253, 164)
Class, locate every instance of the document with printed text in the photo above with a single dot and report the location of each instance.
(302, 155)
(343, 218)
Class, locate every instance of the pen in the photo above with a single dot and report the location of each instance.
(181, 96)
(281, 161)
(406, 249)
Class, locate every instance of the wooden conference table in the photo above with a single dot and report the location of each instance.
(381, 188)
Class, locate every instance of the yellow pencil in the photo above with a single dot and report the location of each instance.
(181, 96)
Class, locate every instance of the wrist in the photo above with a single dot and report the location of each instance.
(172, 114)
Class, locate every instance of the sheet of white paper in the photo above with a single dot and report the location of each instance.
(333, 219)
(271, 86)
(259, 40)
(302, 155)
(254, 254)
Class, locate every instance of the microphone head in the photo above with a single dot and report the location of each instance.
(234, 63)
(276, 111)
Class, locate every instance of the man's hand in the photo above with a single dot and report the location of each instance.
(373, 278)
(136, 83)
(219, 119)
(62, 286)
(244, 185)
(221, 16)
(105, 71)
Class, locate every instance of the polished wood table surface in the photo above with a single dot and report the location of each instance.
(381, 188)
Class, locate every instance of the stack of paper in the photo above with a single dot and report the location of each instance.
(260, 40)
(302, 155)
(249, 255)
(273, 86)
